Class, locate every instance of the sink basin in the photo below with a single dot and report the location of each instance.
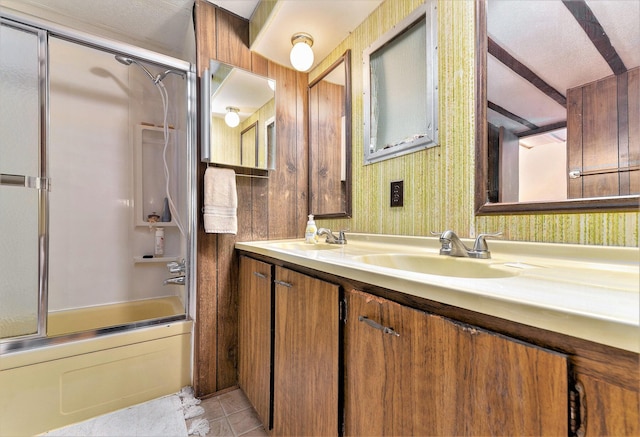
(439, 265)
(304, 246)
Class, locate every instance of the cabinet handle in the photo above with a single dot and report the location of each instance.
(284, 284)
(260, 275)
(384, 329)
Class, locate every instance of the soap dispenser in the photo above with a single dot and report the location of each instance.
(310, 234)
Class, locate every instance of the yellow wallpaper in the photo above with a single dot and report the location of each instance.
(439, 181)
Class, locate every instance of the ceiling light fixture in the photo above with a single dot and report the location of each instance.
(231, 117)
(301, 55)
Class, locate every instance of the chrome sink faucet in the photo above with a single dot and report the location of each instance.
(331, 237)
(453, 246)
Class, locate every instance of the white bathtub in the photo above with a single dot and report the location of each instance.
(66, 381)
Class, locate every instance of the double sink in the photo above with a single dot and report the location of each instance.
(424, 263)
(589, 292)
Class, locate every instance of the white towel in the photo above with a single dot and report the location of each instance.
(220, 201)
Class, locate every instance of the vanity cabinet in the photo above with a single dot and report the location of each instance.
(331, 355)
(254, 334)
(408, 372)
(306, 353)
(288, 348)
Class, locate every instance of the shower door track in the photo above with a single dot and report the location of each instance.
(24, 343)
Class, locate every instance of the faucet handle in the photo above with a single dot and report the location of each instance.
(341, 237)
(481, 244)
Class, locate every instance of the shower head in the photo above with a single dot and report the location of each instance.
(128, 61)
(124, 60)
(161, 76)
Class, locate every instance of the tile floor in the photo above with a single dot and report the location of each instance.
(230, 414)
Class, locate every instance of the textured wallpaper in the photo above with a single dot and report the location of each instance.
(439, 182)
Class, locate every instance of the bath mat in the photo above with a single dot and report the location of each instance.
(160, 417)
(191, 408)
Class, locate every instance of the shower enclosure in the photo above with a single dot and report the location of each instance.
(96, 161)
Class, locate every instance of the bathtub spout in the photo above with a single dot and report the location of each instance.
(177, 280)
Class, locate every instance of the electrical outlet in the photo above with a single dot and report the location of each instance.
(397, 193)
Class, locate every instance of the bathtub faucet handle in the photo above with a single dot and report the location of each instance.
(176, 267)
(179, 280)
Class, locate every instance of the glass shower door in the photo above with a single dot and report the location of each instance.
(22, 180)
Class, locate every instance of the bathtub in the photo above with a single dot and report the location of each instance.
(82, 369)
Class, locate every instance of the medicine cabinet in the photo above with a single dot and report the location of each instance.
(231, 92)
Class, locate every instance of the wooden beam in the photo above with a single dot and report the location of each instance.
(511, 115)
(519, 68)
(594, 30)
(542, 129)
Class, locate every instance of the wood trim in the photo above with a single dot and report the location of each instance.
(605, 204)
(623, 132)
(525, 72)
(596, 33)
(205, 26)
(481, 194)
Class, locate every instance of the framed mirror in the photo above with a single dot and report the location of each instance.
(236, 106)
(330, 141)
(557, 106)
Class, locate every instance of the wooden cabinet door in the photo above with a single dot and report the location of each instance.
(489, 384)
(254, 335)
(437, 377)
(388, 389)
(306, 355)
(610, 409)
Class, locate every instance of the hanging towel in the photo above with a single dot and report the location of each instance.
(220, 201)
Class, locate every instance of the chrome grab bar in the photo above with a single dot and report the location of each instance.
(14, 180)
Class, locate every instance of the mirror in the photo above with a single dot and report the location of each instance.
(556, 106)
(250, 140)
(330, 141)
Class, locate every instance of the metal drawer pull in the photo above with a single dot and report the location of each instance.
(260, 275)
(384, 329)
(284, 284)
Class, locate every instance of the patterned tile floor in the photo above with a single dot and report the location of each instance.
(230, 414)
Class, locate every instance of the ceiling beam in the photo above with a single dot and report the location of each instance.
(510, 115)
(542, 129)
(519, 68)
(594, 30)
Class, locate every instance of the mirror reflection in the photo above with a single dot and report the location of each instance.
(242, 113)
(563, 100)
(330, 141)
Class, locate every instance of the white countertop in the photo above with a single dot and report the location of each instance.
(589, 292)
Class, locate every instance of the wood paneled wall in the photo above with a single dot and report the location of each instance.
(267, 208)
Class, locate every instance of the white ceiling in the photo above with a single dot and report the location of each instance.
(329, 22)
(544, 36)
(164, 26)
(242, 8)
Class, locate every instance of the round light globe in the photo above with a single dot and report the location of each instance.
(301, 56)
(232, 119)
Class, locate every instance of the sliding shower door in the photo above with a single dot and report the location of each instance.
(22, 180)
